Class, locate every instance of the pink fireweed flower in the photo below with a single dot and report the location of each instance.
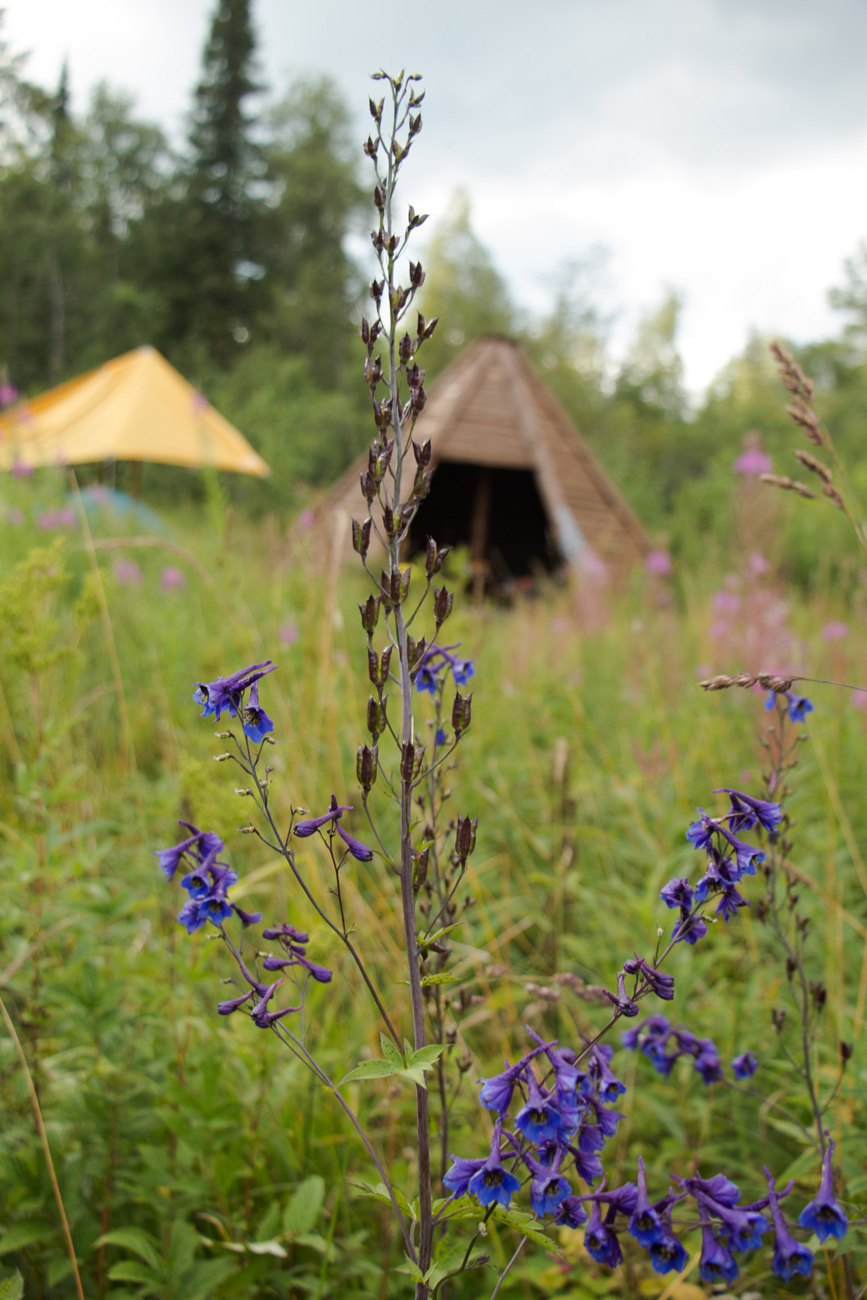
(834, 631)
(8, 394)
(753, 462)
(127, 572)
(288, 634)
(658, 562)
(172, 579)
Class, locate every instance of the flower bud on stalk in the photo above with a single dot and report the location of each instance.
(369, 614)
(462, 710)
(443, 601)
(361, 537)
(366, 766)
(465, 837)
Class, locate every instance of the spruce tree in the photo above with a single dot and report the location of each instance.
(227, 187)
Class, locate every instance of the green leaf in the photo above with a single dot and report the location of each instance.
(27, 1233)
(369, 1070)
(426, 1056)
(415, 1076)
(438, 934)
(304, 1205)
(443, 978)
(130, 1270)
(12, 1288)
(134, 1239)
(380, 1193)
(390, 1052)
(410, 1267)
(527, 1226)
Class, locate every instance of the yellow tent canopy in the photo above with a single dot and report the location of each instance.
(136, 407)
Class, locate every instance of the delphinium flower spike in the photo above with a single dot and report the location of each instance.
(227, 692)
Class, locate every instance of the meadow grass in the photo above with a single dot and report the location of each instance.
(589, 750)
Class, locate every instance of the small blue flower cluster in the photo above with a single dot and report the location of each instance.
(663, 1043)
(207, 882)
(228, 693)
(569, 1121)
(797, 706)
(434, 660)
(728, 860)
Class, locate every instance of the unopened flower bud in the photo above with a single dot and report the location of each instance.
(462, 712)
(366, 765)
(369, 612)
(465, 837)
(361, 537)
(846, 1050)
(377, 668)
(221, 758)
(443, 601)
(376, 717)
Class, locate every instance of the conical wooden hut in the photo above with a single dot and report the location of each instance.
(513, 480)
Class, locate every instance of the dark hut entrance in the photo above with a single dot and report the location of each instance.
(497, 513)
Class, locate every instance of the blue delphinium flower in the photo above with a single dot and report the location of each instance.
(435, 659)
(600, 1242)
(548, 1188)
(667, 1254)
(689, 929)
(798, 705)
(645, 1224)
(257, 724)
(824, 1215)
(677, 893)
(293, 942)
(540, 1118)
(492, 1182)
(462, 671)
(744, 1066)
(571, 1213)
(227, 692)
(747, 811)
(609, 1086)
(569, 1080)
(790, 1256)
(716, 1264)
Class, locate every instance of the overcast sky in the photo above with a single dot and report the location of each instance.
(716, 146)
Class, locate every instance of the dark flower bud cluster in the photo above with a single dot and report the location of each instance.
(728, 860)
(207, 881)
(663, 1044)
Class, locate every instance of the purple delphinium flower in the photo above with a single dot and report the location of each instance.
(226, 1008)
(569, 1080)
(744, 1066)
(492, 1182)
(257, 724)
(540, 1118)
(716, 1264)
(571, 1213)
(457, 1179)
(660, 982)
(227, 692)
(707, 1062)
(689, 929)
(700, 833)
(729, 902)
(311, 824)
(293, 943)
(600, 1242)
(435, 659)
(748, 857)
(747, 811)
(199, 845)
(645, 1224)
(790, 1256)
(462, 671)
(677, 893)
(824, 1215)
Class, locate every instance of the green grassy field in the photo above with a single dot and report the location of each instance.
(214, 1162)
